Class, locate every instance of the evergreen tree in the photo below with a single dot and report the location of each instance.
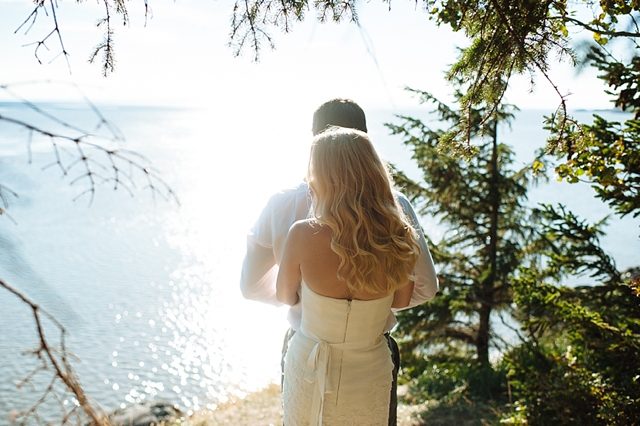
(578, 358)
(481, 204)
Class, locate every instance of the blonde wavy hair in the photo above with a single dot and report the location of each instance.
(353, 196)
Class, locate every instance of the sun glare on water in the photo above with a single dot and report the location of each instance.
(225, 172)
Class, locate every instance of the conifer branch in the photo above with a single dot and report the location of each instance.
(601, 31)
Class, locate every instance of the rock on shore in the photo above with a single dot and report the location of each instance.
(146, 413)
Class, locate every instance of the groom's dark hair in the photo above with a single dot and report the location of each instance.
(339, 112)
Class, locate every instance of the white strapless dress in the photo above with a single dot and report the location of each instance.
(338, 367)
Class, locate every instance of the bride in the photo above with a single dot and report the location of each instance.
(348, 265)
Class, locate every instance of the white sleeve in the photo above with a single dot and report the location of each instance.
(259, 269)
(426, 284)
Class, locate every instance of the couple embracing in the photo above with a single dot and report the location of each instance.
(344, 250)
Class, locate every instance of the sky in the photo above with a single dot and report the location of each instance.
(181, 57)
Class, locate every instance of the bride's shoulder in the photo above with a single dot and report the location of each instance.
(308, 228)
(305, 225)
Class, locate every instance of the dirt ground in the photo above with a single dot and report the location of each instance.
(264, 409)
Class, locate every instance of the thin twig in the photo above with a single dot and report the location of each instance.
(59, 366)
(88, 157)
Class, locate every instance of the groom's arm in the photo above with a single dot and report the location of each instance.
(426, 283)
(259, 269)
(265, 243)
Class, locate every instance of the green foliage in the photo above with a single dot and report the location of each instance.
(459, 390)
(579, 355)
(506, 38)
(447, 377)
(579, 361)
(606, 23)
(621, 77)
(570, 246)
(609, 156)
(480, 201)
(605, 153)
(554, 390)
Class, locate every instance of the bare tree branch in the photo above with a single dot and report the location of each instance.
(87, 156)
(33, 17)
(105, 49)
(55, 359)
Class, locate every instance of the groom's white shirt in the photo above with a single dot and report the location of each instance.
(265, 243)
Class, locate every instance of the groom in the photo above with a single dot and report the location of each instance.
(265, 241)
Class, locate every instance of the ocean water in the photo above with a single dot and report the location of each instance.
(148, 288)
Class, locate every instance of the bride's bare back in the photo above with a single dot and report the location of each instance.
(308, 256)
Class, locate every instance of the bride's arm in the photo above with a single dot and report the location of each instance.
(402, 296)
(289, 275)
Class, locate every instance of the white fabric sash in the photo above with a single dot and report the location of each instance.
(318, 367)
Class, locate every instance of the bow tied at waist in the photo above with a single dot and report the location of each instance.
(318, 367)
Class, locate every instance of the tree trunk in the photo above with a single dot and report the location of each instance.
(487, 295)
(482, 340)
